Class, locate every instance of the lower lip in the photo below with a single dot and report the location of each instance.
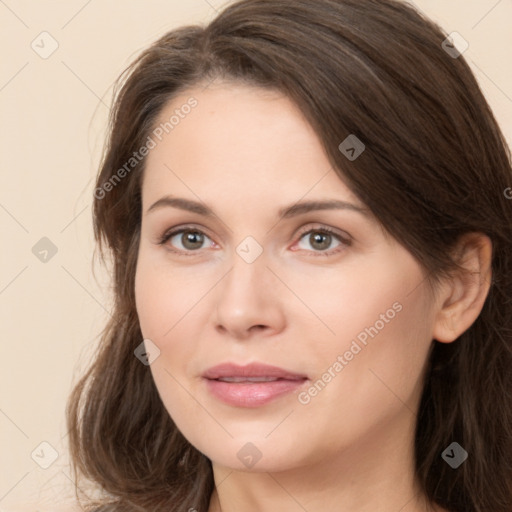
(251, 394)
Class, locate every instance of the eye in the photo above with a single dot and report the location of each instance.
(321, 239)
(190, 238)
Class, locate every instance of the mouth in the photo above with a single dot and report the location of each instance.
(253, 385)
(251, 379)
(251, 371)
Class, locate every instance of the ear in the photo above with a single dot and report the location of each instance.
(462, 297)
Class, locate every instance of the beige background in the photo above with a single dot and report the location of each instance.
(54, 113)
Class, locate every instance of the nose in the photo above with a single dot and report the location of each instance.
(249, 301)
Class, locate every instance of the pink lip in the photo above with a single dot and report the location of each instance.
(251, 370)
(251, 394)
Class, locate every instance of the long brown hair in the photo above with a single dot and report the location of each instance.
(435, 167)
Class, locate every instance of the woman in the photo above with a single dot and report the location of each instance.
(306, 206)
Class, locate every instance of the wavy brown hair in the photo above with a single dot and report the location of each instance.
(436, 166)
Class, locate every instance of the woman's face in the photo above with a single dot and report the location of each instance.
(346, 313)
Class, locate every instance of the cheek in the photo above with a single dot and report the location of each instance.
(168, 308)
(380, 371)
(150, 301)
(398, 362)
(162, 302)
(165, 297)
(357, 301)
(380, 322)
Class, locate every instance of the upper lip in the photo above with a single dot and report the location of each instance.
(251, 370)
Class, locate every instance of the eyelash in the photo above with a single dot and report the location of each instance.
(324, 230)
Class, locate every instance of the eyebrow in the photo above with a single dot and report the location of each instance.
(284, 213)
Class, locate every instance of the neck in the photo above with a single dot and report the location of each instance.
(376, 474)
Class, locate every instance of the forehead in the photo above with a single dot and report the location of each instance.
(238, 140)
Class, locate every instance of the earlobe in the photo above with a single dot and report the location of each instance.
(463, 297)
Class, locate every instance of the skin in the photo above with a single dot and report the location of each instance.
(246, 153)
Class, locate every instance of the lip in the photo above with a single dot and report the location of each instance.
(251, 370)
(251, 394)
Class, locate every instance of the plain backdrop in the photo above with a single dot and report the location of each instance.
(59, 61)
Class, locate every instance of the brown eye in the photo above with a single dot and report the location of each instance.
(321, 240)
(192, 239)
(185, 240)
